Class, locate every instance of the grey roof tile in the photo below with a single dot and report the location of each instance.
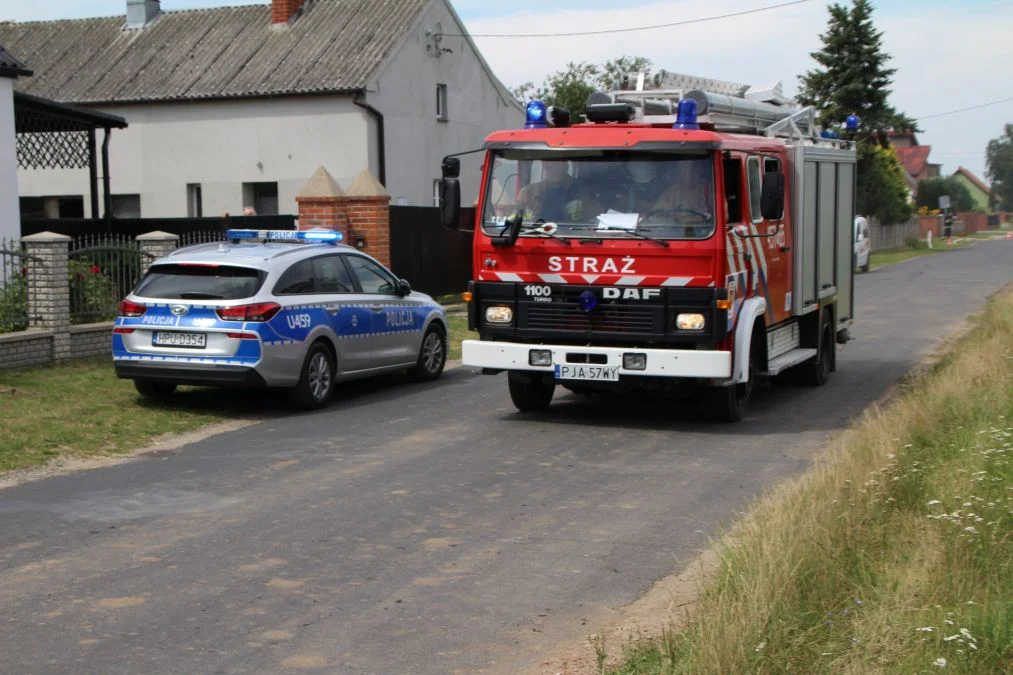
(334, 45)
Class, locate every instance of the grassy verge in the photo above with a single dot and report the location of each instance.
(81, 409)
(894, 554)
(914, 249)
(458, 332)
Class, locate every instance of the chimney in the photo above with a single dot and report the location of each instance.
(282, 11)
(142, 12)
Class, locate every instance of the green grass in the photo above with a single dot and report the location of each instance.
(913, 250)
(458, 332)
(81, 409)
(893, 555)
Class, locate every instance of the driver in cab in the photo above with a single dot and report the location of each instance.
(558, 197)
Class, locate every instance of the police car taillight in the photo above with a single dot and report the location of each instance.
(132, 309)
(261, 311)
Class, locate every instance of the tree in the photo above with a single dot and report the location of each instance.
(999, 168)
(882, 191)
(930, 189)
(852, 77)
(569, 88)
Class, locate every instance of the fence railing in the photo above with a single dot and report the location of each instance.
(201, 237)
(14, 286)
(101, 269)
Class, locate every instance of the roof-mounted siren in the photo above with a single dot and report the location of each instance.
(601, 108)
(538, 115)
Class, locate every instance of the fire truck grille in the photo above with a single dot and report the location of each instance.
(606, 318)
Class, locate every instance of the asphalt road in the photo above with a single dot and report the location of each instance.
(423, 528)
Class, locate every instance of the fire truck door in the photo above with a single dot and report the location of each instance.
(771, 243)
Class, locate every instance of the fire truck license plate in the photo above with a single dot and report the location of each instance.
(585, 372)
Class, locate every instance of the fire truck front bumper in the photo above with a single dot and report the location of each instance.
(597, 363)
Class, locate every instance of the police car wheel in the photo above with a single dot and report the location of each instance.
(432, 356)
(868, 261)
(153, 389)
(317, 380)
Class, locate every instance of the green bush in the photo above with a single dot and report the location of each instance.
(93, 294)
(14, 304)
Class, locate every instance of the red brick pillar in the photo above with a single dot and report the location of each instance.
(368, 208)
(322, 204)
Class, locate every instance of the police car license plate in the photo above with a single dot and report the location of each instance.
(177, 339)
(587, 372)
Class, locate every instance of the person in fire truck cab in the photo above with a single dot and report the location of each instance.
(557, 197)
(685, 196)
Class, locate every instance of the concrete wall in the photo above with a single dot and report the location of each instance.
(405, 92)
(10, 220)
(93, 339)
(221, 145)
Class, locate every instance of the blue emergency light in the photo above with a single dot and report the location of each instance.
(852, 122)
(686, 115)
(327, 236)
(537, 115)
(587, 301)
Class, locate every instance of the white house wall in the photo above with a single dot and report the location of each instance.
(405, 92)
(10, 221)
(221, 145)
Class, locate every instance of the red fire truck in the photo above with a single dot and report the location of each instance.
(693, 232)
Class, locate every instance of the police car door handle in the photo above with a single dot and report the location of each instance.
(332, 309)
(376, 308)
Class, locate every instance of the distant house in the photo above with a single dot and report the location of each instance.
(981, 195)
(914, 158)
(238, 106)
(10, 220)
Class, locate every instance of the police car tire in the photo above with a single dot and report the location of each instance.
(420, 372)
(302, 394)
(529, 392)
(153, 388)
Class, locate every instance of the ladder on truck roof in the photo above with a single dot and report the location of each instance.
(723, 106)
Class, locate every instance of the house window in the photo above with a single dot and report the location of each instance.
(441, 103)
(126, 206)
(263, 197)
(194, 201)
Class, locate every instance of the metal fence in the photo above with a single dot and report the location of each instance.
(201, 237)
(102, 270)
(75, 227)
(435, 260)
(14, 287)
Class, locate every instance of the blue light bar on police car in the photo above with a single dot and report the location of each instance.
(328, 236)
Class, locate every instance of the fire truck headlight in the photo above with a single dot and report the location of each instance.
(689, 322)
(499, 314)
(634, 361)
(540, 357)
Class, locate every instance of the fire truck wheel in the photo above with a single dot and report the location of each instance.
(530, 392)
(729, 404)
(818, 369)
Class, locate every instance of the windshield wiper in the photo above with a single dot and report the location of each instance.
(639, 235)
(513, 227)
(193, 295)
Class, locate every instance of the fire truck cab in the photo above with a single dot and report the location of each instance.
(696, 233)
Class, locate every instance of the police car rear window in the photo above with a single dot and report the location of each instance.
(200, 282)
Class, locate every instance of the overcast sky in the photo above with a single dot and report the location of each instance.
(949, 54)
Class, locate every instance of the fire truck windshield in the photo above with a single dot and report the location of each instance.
(603, 193)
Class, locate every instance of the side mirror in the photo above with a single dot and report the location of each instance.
(772, 196)
(450, 202)
(403, 287)
(451, 167)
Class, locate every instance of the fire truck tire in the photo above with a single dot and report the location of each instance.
(529, 391)
(729, 404)
(817, 370)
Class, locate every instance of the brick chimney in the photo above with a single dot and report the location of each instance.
(282, 11)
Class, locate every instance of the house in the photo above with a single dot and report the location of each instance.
(981, 195)
(10, 219)
(914, 158)
(238, 106)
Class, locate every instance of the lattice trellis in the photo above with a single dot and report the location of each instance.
(51, 143)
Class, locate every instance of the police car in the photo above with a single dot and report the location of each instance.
(284, 309)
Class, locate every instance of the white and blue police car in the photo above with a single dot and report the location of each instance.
(277, 309)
